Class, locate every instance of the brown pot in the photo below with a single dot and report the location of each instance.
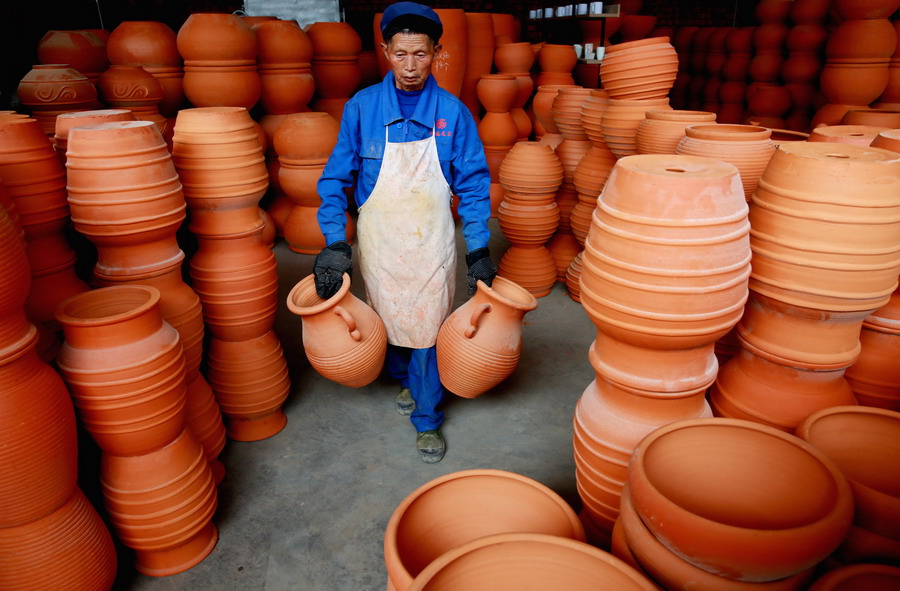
(859, 576)
(49, 90)
(643, 69)
(206, 37)
(81, 50)
(660, 131)
(143, 43)
(859, 135)
(621, 119)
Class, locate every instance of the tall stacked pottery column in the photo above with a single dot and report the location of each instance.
(335, 65)
(127, 199)
(497, 129)
(217, 153)
(665, 272)
(284, 67)
(50, 535)
(826, 254)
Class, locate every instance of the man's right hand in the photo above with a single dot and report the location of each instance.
(331, 263)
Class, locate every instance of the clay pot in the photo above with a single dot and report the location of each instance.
(479, 344)
(68, 547)
(589, 180)
(133, 88)
(644, 69)
(621, 119)
(685, 499)
(66, 121)
(513, 57)
(216, 37)
(222, 86)
(831, 114)
(449, 66)
(508, 503)
(864, 9)
(566, 111)
(862, 441)
(13, 324)
(49, 90)
(250, 381)
(564, 246)
(573, 278)
(543, 105)
(222, 169)
(854, 82)
(336, 77)
(872, 117)
(513, 560)
(747, 147)
(125, 196)
(505, 26)
(531, 169)
(334, 39)
(858, 135)
(81, 50)
(557, 58)
(859, 576)
(497, 92)
(143, 43)
(282, 42)
(660, 131)
(479, 57)
(161, 505)
(863, 38)
(874, 375)
(344, 339)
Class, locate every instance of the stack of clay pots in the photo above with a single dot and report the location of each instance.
(826, 254)
(732, 92)
(800, 71)
(49, 90)
(690, 515)
(220, 160)
(699, 44)
(303, 142)
(890, 98)
(661, 131)
(594, 168)
(50, 535)
(517, 59)
(556, 62)
(531, 175)
(85, 51)
(542, 105)
(768, 41)
(133, 88)
(715, 61)
(497, 129)
(125, 367)
(857, 58)
(35, 180)
(126, 198)
(284, 66)
(335, 65)
(480, 44)
(151, 45)
(219, 52)
(66, 121)
(664, 275)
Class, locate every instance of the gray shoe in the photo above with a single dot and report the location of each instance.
(431, 446)
(405, 403)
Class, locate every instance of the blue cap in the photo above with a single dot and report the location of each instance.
(409, 9)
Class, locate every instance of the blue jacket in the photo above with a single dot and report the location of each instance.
(356, 159)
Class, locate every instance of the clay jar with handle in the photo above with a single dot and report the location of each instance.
(479, 344)
(512, 561)
(700, 487)
(344, 338)
(457, 508)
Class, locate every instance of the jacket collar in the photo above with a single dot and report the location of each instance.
(425, 109)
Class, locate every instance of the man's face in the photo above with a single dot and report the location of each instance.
(410, 56)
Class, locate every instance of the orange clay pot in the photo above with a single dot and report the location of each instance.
(479, 344)
(513, 57)
(49, 90)
(80, 50)
(143, 43)
(872, 117)
(506, 562)
(660, 131)
(858, 135)
(222, 169)
(216, 37)
(334, 39)
(14, 326)
(698, 485)
(66, 121)
(480, 45)
(282, 42)
(449, 66)
(621, 119)
(859, 576)
(125, 196)
(344, 339)
(161, 505)
(133, 88)
(508, 503)
(641, 69)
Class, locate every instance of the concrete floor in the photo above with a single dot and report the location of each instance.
(307, 508)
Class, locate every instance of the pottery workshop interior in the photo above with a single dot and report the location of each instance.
(345, 295)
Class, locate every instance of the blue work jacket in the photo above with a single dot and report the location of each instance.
(356, 159)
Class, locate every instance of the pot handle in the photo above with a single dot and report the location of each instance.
(476, 315)
(351, 323)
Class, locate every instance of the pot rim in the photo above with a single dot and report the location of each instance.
(304, 285)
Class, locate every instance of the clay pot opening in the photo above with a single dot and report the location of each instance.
(840, 156)
(509, 293)
(303, 301)
(107, 305)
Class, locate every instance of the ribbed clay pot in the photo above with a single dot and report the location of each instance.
(479, 344)
(66, 121)
(344, 338)
(621, 119)
(698, 487)
(124, 367)
(642, 69)
(443, 507)
(660, 131)
(49, 90)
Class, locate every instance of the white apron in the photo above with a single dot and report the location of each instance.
(407, 244)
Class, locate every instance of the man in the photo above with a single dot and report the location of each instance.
(404, 145)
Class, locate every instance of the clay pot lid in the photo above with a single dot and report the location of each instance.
(304, 301)
(529, 557)
(107, 305)
(681, 115)
(728, 132)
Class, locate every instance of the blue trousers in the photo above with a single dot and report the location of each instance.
(417, 370)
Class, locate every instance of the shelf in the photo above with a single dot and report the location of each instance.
(612, 11)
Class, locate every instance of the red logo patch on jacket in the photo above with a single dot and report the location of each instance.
(440, 124)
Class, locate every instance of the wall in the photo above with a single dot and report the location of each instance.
(304, 12)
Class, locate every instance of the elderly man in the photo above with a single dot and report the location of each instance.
(403, 174)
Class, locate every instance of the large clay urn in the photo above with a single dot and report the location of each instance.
(479, 344)
(446, 512)
(344, 338)
(643, 69)
(81, 50)
(284, 62)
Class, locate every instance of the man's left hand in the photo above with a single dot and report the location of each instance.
(480, 268)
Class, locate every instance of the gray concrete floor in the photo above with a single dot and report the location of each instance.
(307, 508)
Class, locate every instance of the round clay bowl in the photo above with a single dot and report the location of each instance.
(860, 577)
(738, 499)
(463, 506)
(515, 561)
(865, 443)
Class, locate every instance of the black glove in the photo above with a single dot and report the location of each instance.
(331, 263)
(480, 268)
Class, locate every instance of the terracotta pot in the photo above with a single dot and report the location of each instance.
(854, 83)
(686, 498)
(807, 265)
(282, 42)
(334, 39)
(872, 117)
(621, 119)
(566, 111)
(644, 69)
(222, 169)
(344, 339)
(513, 57)
(133, 88)
(222, 86)
(449, 66)
(861, 442)
(250, 381)
(125, 196)
(204, 421)
(831, 114)
(660, 131)
(563, 247)
(543, 105)
(336, 77)
(143, 43)
(505, 25)
(129, 408)
(487, 328)
(479, 56)
(531, 169)
(863, 9)
(286, 90)
(859, 135)
(573, 278)
(863, 38)
(172, 82)
(206, 36)
(557, 58)
(859, 576)
(509, 561)
(874, 376)
(809, 11)
(161, 505)
(496, 92)
(81, 50)
(49, 90)
(589, 179)
(66, 121)
(508, 503)
(14, 325)
(862, 546)
(68, 547)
